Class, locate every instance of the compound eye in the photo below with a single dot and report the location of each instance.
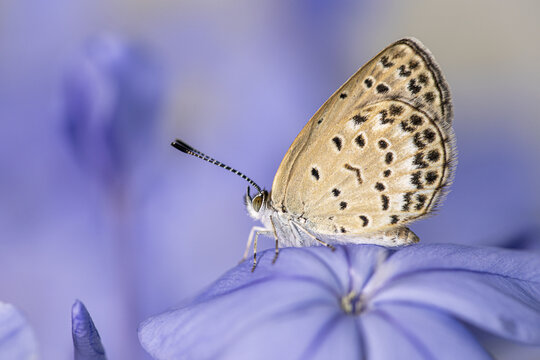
(257, 202)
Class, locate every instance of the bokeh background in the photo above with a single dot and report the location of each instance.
(95, 204)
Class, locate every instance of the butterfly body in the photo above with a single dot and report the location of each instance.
(291, 229)
(376, 156)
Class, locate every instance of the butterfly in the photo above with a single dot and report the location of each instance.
(379, 154)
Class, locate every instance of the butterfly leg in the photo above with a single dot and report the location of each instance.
(276, 237)
(257, 233)
(298, 226)
(250, 240)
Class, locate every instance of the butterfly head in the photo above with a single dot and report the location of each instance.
(256, 206)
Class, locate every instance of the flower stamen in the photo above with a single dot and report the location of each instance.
(353, 303)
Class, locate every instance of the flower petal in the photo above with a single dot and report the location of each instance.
(494, 289)
(293, 302)
(86, 340)
(411, 298)
(363, 261)
(340, 271)
(413, 332)
(17, 341)
(286, 307)
(427, 257)
(498, 305)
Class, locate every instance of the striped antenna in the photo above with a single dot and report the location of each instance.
(185, 148)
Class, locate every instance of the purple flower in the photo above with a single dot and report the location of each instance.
(86, 340)
(17, 341)
(112, 98)
(359, 302)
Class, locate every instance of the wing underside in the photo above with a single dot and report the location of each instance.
(378, 154)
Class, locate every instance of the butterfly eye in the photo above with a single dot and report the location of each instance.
(257, 202)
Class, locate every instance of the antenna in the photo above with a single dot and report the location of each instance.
(185, 148)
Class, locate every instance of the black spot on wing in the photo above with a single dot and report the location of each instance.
(368, 82)
(342, 95)
(357, 119)
(337, 141)
(389, 157)
(356, 171)
(415, 180)
(416, 120)
(419, 161)
(396, 110)
(413, 87)
(315, 173)
(360, 141)
(403, 72)
(417, 142)
(420, 201)
(365, 220)
(382, 88)
(384, 117)
(431, 177)
(406, 127)
(385, 202)
(429, 135)
(433, 156)
(429, 97)
(406, 201)
(385, 61)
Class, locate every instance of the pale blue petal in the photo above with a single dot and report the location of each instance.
(294, 302)
(383, 340)
(363, 262)
(281, 308)
(17, 340)
(412, 301)
(497, 290)
(505, 307)
(344, 340)
(418, 333)
(515, 264)
(340, 271)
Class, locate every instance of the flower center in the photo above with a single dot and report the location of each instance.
(352, 303)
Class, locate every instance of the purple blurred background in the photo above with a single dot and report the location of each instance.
(97, 206)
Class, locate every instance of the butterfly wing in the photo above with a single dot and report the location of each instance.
(380, 151)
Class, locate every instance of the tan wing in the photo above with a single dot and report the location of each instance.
(378, 153)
